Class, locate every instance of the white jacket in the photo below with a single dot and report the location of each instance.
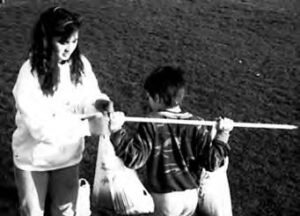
(49, 133)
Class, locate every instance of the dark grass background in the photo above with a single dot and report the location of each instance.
(242, 59)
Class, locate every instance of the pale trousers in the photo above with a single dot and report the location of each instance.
(61, 185)
(178, 203)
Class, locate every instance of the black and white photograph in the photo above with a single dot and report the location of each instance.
(149, 107)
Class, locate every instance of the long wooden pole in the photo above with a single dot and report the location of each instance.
(199, 122)
(209, 123)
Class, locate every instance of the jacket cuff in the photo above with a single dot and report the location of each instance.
(85, 128)
(222, 136)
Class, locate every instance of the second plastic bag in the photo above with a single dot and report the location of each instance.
(117, 188)
(214, 194)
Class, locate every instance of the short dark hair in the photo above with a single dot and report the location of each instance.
(168, 83)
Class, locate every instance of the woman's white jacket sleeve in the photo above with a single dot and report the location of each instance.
(46, 119)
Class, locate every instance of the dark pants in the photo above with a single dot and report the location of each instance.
(61, 186)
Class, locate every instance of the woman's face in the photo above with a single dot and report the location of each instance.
(66, 48)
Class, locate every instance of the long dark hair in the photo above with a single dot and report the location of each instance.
(54, 22)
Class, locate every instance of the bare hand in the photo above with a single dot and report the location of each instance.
(104, 106)
(117, 120)
(224, 124)
(99, 125)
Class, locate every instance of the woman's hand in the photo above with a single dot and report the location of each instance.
(104, 106)
(99, 125)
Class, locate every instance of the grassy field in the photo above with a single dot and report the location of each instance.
(243, 62)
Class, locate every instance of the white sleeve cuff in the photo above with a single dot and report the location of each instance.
(222, 136)
(85, 128)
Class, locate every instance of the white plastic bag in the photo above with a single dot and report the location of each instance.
(83, 199)
(214, 194)
(116, 187)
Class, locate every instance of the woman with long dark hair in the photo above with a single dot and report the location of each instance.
(55, 86)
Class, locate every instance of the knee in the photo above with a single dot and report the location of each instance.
(30, 210)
